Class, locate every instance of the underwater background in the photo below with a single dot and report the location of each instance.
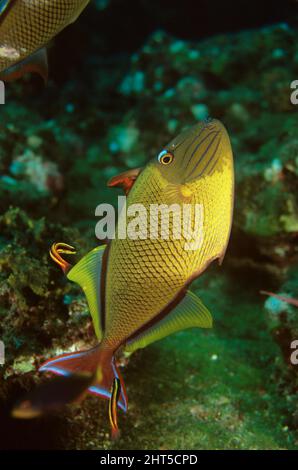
(124, 80)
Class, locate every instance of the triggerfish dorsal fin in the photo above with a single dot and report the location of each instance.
(87, 273)
(189, 313)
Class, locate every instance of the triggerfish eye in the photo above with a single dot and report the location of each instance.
(165, 157)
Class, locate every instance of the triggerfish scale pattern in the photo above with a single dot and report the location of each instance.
(137, 289)
(28, 25)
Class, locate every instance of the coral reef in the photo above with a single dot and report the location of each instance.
(232, 388)
(37, 308)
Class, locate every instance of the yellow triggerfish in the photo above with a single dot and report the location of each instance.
(26, 26)
(137, 289)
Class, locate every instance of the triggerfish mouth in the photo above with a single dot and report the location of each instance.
(138, 289)
(26, 27)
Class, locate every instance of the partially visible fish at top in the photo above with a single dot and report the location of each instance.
(26, 27)
(138, 289)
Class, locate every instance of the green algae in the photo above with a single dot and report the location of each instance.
(32, 308)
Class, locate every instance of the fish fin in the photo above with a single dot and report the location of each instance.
(125, 180)
(178, 194)
(52, 395)
(35, 63)
(87, 273)
(78, 371)
(72, 363)
(189, 313)
(100, 366)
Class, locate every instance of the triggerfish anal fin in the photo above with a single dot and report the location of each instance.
(36, 63)
(125, 180)
(87, 273)
(189, 313)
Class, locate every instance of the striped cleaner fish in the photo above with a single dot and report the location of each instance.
(137, 289)
(26, 27)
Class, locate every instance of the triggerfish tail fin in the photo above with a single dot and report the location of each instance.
(93, 371)
(73, 363)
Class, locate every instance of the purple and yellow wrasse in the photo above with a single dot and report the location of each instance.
(137, 289)
(26, 27)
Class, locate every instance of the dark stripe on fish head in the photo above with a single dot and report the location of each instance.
(195, 153)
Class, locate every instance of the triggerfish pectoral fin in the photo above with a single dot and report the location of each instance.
(189, 313)
(125, 180)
